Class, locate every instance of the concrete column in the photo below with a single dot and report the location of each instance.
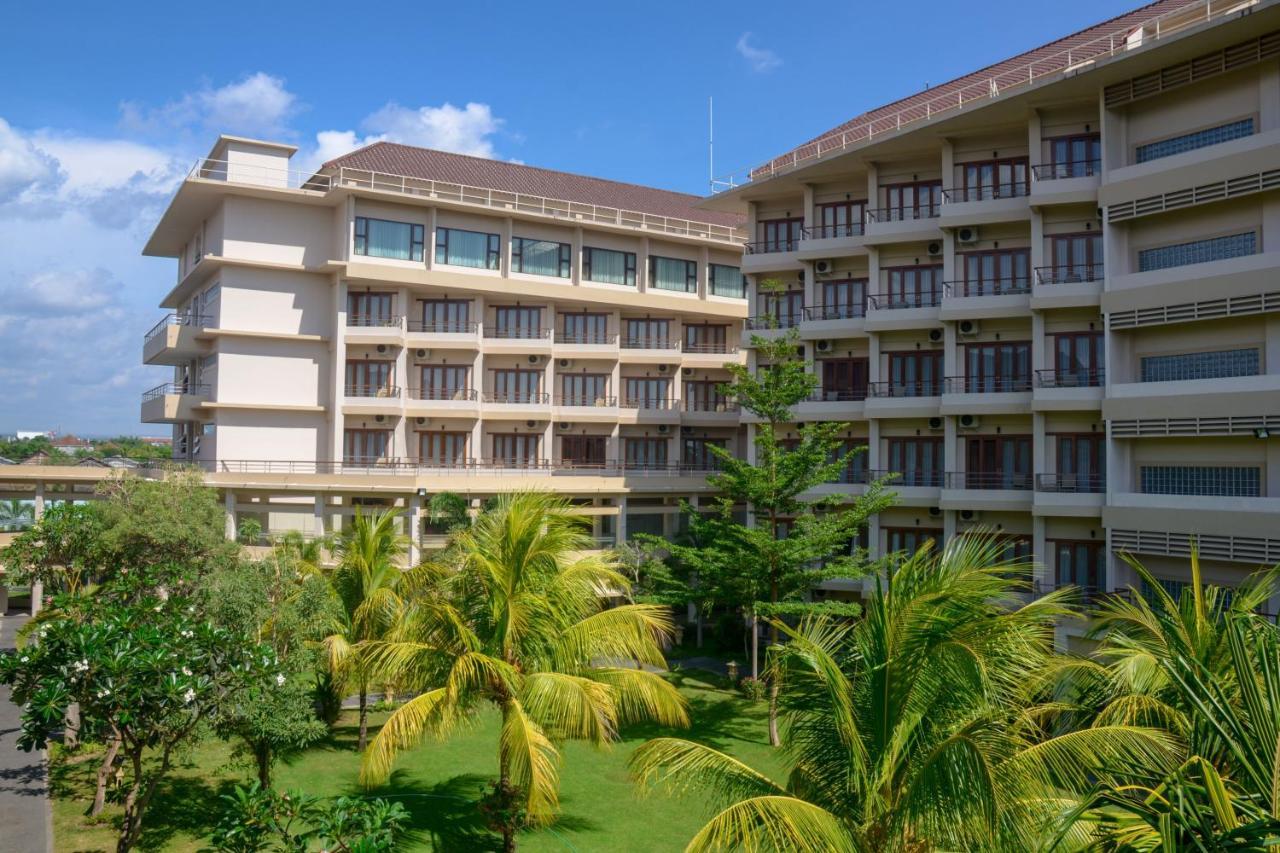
(37, 587)
(875, 371)
(229, 502)
(874, 285)
(1038, 360)
(1039, 445)
(321, 522)
(952, 452)
(415, 528)
(873, 445)
(1042, 574)
(949, 527)
(642, 266)
(949, 255)
(477, 449)
(704, 272)
(1037, 245)
(951, 363)
(339, 351)
(948, 165)
(613, 444)
(809, 212)
(1035, 147)
(504, 248)
(751, 443)
(429, 250)
(811, 290)
(873, 186)
(575, 257)
(622, 519)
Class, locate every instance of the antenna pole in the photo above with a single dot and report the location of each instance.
(711, 149)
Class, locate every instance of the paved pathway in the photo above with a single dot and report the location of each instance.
(25, 818)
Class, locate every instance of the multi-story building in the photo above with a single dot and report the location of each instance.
(1047, 295)
(403, 321)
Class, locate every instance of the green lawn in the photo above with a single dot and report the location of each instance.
(440, 782)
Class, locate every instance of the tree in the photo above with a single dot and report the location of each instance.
(258, 818)
(146, 670)
(928, 724)
(62, 550)
(792, 541)
(450, 511)
(367, 585)
(15, 514)
(515, 622)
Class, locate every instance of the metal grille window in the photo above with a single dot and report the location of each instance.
(727, 281)
(540, 257)
(1198, 252)
(1201, 365)
(1219, 480)
(1192, 141)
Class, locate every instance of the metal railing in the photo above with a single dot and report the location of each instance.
(838, 395)
(457, 394)
(917, 388)
(519, 333)
(1085, 483)
(374, 321)
(593, 400)
(928, 479)
(629, 342)
(835, 312)
(990, 480)
(398, 466)
(764, 247)
(987, 384)
(180, 318)
(1069, 273)
(196, 389)
(718, 348)
(897, 301)
(903, 214)
(696, 404)
(519, 398)
(345, 176)
(586, 338)
(987, 192)
(650, 403)
(1012, 77)
(1089, 377)
(1067, 169)
(775, 321)
(444, 327)
(827, 232)
(381, 391)
(1012, 286)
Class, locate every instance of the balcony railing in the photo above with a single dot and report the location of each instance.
(1085, 483)
(443, 327)
(597, 339)
(1070, 169)
(650, 403)
(361, 390)
(912, 479)
(412, 467)
(517, 398)
(1011, 286)
(714, 348)
(695, 404)
(374, 321)
(987, 192)
(1091, 377)
(827, 232)
(195, 389)
(182, 318)
(897, 301)
(987, 384)
(835, 312)
(786, 320)
(517, 333)
(457, 394)
(630, 342)
(903, 214)
(990, 480)
(838, 395)
(917, 388)
(764, 247)
(1069, 273)
(594, 400)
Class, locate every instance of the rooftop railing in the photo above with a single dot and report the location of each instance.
(1011, 78)
(576, 212)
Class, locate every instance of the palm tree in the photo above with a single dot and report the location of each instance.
(15, 514)
(515, 620)
(367, 583)
(929, 724)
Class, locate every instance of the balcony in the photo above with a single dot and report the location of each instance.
(517, 340)
(374, 329)
(991, 297)
(443, 333)
(585, 344)
(914, 488)
(774, 322)
(176, 339)
(768, 247)
(173, 402)
(898, 224)
(987, 395)
(1074, 182)
(917, 399)
(660, 350)
(650, 410)
(713, 412)
(441, 400)
(1075, 495)
(1208, 515)
(906, 310)
(714, 354)
(1067, 286)
(516, 405)
(587, 407)
(1222, 396)
(823, 321)
(823, 241)
(995, 491)
(1065, 390)
(1166, 294)
(833, 402)
(372, 399)
(985, 204)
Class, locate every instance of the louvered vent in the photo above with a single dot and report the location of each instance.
(1236, 549)
(1209, 309)
(1203, 194)
(1207, 426)
(1231, 58)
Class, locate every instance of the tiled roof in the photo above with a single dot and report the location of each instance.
(1052, 52)
(430, 164)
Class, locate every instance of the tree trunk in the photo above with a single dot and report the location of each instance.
(504, 785)
(364, 719)
(131, 827)
(755, 647)
(104, 775)
(71, 726)
(774, 740)
(262, 755)
(698, 617)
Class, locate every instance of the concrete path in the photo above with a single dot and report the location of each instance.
(26, 820)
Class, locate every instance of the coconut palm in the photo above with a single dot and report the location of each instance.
(367, 583)
(514, 620)
(929, 724)
(15, 514)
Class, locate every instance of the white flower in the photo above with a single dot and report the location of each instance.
(189, 696)
(186, 671)
(280, 679)
(188, 634)
(158, 608)
(80, 666)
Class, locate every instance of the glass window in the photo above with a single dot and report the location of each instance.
(1076, 258)
(912, 287)
(608, 266)
(1192, 141)
(844, 379)
(369, 378)
(519, 450)
(918, 200)
(786, 309)
(1075, 156)
(365, 446)
(990, 179)
(917, 461)
(840, 219)
(1201, 365)
(514, 385)
(371, 309)
(584, 328)
(646, 452)
(855, 463)
(993, 367)
(727, 281)
(382, 238)
(915, 373)
(467, 248)
(1082, 461)
(673, 274)
(1198, 252)
(517, 321)
(644, 392)
(1081, 564)
(444, 382)
(998, 462)
(446, 315)
(843, 299)
(704, 337)
(996, 273)
(908, 540)
(540, 257)
(704, 396)
(1221, 480)
(1078, 359)
(696, 453)
(584, 389)
(648, 333)
(446, 449)
(778, 235)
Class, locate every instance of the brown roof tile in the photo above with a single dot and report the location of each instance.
(396, 159)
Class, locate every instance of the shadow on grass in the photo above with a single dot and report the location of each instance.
(183, 804)
(719, 715)
(446, 813)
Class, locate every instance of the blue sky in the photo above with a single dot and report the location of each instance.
(107, 106)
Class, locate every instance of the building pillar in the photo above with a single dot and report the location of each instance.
(504, 248)
(948, 527)
(415, 527)
(321, 523)
(1037, 343)
(229, 504)
(37, 587)
(873, 447)
(642, 266)
(1042, 573)
(429, 250)
(575, 257)
(948, 166)
(704, 272)
(1037, 246)
(621, 526)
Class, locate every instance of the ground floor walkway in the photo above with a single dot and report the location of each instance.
(25, 817)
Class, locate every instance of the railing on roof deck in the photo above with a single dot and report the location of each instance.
(1024, 74)
(345, 176)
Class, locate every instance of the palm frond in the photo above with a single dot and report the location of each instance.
(426, 714)
(643, 696)
(680, 766)
(774, 823)
(570, 706)
(532, 760)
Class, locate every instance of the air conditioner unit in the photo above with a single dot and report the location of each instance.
(422, 353)
(564, 426)
(535, 359)
(967, 235)
(822, 346)
(688, 371)
(663, 429)
(934, 248)
(935, 512)
(935, 336)
(969, 515)
(565, 362)
(823, 267)
(531, 424)
(663, 368)
(382, 347)
(420, 421)
(968, 328)
(935, 424)
(968, 421)
(379, 418)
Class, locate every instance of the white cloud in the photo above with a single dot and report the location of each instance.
(258, 105)
(61, 293)
(25, 170)
(462, 130)
(761, 59)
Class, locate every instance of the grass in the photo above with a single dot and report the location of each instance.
(439, 783)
